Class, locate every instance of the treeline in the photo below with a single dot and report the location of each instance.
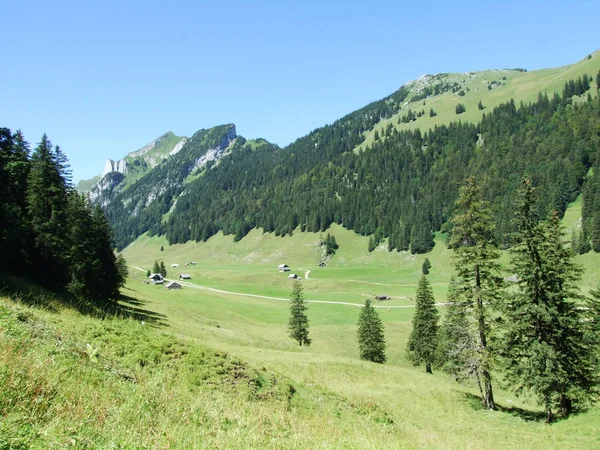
(404, 185)
(49, 233)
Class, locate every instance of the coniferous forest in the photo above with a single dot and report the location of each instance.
(401, 187)
(50, 233)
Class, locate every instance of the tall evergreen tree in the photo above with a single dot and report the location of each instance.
(546, 341)
(47, 211)
(596, 232)
(163, 269)
(14, 170)
(156, 267)
(458, 354)
(298, 322)
(122, 270)
(478, 281)
(422, 347)
(108, 279)
(371, 339)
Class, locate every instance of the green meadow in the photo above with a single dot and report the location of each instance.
(425, 411)
(509, 84)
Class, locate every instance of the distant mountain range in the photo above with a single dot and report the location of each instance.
(390, 169)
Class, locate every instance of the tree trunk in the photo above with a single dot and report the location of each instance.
(566, 406)
(549, 416)
(428, 368)
(488, 401)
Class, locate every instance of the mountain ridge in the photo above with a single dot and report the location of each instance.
(327, 177)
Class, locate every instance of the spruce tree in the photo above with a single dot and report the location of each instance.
(122, 270)
(546, 341)
(47, 213)
(371, 340)
(163, 269)
(298, 323)
(155, 267)
(596, 232)
(478, 281)
(422, 347)
(458, 346)
(426, 267)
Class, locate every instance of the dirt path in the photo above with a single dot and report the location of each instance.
(281, 299)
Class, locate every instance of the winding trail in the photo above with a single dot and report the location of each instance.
(281, 299)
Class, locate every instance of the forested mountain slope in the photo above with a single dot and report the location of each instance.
(373, 173)
(140, 207)
(117, 176)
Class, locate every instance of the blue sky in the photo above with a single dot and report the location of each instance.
(105, 78)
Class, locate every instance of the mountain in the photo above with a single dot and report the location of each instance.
(132, 167)
(140, 206)
(390, 169)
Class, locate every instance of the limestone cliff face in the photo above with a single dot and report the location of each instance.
(115, 166)
(106, 189)
(215, 154)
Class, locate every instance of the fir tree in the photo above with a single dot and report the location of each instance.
(156, 267)
(426, 267)
(371, 340)
(162, 269)
(546, 343)
(298, 323)
(480, 106)
(422, 344)
(479, 285)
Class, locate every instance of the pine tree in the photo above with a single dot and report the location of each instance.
(546, 339)
(371, 340)
(163, 269)
(155, 267)
(422, 347)
(480, 105)
(478, 282)
(298, 323)
(426, 267)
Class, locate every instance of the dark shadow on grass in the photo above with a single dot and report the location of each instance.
(524, 414)
(124, 306)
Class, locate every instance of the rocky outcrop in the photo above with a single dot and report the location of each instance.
(107, 188)
(115, 166)
(214, 154)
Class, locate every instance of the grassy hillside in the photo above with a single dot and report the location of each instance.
(427, 411)
(199, 368)
(87, 185)
(507, 84)
(142, 161)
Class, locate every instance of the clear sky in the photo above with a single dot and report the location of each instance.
(104, 78)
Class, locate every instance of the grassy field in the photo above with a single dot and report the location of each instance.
(426, 411)
(510, 84)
